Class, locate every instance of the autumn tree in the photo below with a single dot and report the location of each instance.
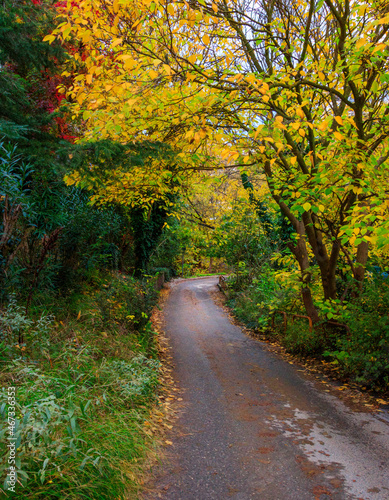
(295, 88)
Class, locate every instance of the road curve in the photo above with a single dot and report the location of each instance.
(251, 425)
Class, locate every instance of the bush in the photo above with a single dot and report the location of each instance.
(364, 353)
(257, 297)
(126, 300)
(300, 340)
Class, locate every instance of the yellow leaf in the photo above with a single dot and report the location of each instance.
(380, 46)
(69, 181)
(360, 43)
(323, 126)
(306, 206)
(293, 160)
(116, 42)
(300, 113)
(265, 98)
(302, 132)
(338, 136)
(170, 9)
(260, 127)
(214, 8)
(168, 442)
(339, 120)
(251, 78)
(383, 20)
(129, 63)
(49, 38)
(79, 315)
(206, 39)
(278, 123)
(321, 76)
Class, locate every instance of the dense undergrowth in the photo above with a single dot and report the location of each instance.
(358, 351)
(85, 373)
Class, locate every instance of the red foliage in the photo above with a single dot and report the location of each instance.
(44, 94)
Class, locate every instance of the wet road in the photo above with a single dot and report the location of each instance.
(253, 427)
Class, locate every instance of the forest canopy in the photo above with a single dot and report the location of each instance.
(295, 89)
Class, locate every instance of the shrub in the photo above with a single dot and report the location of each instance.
(300, 340)
(128, 300)
(258, 299)
(364, 353)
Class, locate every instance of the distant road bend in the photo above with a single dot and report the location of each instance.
(252, 426)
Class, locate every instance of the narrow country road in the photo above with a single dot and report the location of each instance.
(252, 426)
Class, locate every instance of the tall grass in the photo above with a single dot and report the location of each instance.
(86, 377)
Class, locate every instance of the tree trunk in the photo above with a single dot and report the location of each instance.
(328, 272)
(360, 265)
(326, 263)
(182, 263)
(309, 305)
(300, 252)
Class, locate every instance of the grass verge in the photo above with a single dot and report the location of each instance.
(86, 374)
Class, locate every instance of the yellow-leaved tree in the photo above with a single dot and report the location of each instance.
(295, 88)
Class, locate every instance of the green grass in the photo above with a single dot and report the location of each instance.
(86, 382)
(200, 275)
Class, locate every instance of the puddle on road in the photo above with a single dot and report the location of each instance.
(339, 458)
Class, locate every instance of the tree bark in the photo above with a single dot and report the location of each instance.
(327, 263)
(299, 250)
(360, 265)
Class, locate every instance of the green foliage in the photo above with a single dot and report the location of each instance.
(128, 302)
(298, 339)
(84, 384)
(363, 354)
(359, 350)
(27, 68)
(106, 155)
(173, 239)
(241, 238)
(21, 28)
(265, 217)
(92, 238)
(147, 230)
(254, 299)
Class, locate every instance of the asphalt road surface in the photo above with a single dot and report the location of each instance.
(252, 426)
